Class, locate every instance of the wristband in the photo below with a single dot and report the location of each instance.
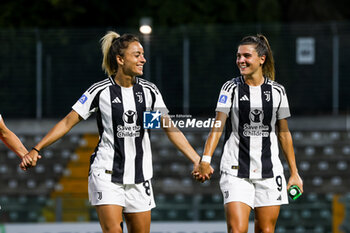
(206, 158)
(33, 148)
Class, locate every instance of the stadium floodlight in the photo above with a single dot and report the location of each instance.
(146, 25)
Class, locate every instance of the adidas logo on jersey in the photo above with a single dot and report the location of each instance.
(244, 98)
(116, 100)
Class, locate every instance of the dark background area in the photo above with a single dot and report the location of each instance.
(166, 13)
(69, 32)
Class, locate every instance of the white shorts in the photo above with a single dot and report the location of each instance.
(133, 197)
(254, 192)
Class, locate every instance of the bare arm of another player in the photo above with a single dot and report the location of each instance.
(11, 140)
(180, 141)
(211, 144)
(58, 131)
(285, 139)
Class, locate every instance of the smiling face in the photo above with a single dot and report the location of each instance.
(131, 63)
(248, 61)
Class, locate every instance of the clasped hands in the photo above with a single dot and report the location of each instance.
(202, 171)
(29, 160)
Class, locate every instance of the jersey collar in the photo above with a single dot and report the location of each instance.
(243, 81)
(111, 79)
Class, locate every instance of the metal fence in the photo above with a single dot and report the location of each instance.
(43, 72)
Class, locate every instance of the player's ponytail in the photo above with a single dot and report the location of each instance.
(269, 65)
(112, 44)
(109, 63)
(262, 48)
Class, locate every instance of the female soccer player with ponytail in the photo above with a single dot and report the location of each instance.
(121, 166)
(254, 108)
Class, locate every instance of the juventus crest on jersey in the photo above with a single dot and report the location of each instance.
(251, 145)
(124, 149)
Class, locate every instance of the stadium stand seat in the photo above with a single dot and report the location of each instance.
(60, 181)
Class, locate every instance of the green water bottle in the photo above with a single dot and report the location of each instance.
(294, 192)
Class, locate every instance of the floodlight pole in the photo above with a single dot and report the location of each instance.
(39, 78)
(335, 92)
(186, 75)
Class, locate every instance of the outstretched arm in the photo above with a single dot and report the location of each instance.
(210, 145)
(180, 141)
(11, 140)
(285, 139)
(58, 131)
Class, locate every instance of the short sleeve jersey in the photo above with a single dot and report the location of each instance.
(124, 148)
(250, 144)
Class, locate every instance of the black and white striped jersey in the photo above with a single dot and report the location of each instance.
(124, 148)
(250, 145)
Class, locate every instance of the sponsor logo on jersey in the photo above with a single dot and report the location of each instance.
(256, 128)
(129, 129)
(256, 116)
(124, 131)
(244, 98)
(83, 99)
(223, 99)
(151, 119)
(130, 117)
(116, 100)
